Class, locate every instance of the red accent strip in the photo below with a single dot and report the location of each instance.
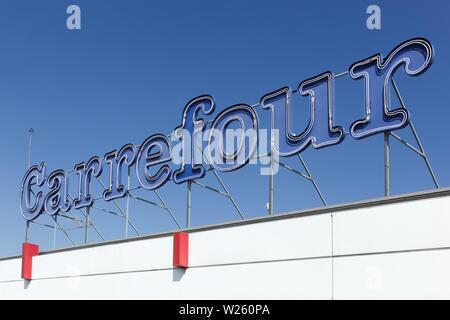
(180, 249)
(29, 250)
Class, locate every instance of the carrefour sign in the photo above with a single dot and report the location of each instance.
(229, 140)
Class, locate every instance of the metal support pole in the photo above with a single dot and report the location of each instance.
(64, 231)
(81, 222)
(30, 134)
(27, 227)
(228, 194)
(127, 209)
(118, 207)
(386, 164)
(270, 204)
(55, 229)
(166, 207)
(312, 180)
(422, 150)
(86, 226)
(427, 162)
(188, 204)
(30, 140)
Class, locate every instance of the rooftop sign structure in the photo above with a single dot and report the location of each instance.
(231, 138)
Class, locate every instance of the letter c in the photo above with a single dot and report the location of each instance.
(34, 175)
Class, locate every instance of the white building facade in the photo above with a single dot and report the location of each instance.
(389, 248)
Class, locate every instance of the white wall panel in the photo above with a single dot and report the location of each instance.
(10, 270)
(305, 279)
(147, 254)
(408, 275)
(272, 240)
(399, 226)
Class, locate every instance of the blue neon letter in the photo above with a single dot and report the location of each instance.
(126, 156)
(34, 175)
(155, 150)
(415, 56)
(58, 197)
(85, 173)
(192, 125)
(226, 159)
(320, 131)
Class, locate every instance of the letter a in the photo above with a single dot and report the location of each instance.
(74, 20)
(374, 20)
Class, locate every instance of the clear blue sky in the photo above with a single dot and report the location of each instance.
(130, 70)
